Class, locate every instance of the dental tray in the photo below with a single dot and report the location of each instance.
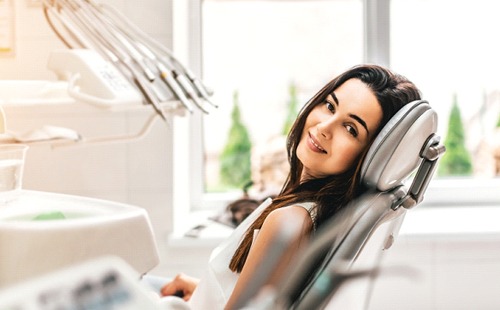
(41, 232)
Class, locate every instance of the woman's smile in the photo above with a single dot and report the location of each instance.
(314, 145)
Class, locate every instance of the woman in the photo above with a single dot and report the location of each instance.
(326, 147)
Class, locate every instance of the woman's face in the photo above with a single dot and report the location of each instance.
(338, 130)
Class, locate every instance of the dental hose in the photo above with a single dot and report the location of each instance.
(87, 24)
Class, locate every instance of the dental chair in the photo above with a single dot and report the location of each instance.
(338, 269)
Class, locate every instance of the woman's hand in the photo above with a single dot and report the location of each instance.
(182, 286)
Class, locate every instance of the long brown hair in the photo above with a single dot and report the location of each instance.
(330, 193)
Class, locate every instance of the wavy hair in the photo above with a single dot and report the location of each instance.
(331, 193)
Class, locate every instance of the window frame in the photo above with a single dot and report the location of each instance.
(190, 193)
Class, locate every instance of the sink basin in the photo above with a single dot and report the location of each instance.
(41, 232)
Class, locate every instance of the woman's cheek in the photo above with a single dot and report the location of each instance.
(349, 156)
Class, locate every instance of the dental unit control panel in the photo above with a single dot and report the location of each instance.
(99, 284)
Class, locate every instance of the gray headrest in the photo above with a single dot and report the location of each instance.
(395, 152)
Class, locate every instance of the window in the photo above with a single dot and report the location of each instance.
(268, 54)
(444, 46)
(261, 50)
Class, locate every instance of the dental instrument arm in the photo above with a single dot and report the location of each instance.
(87, 25)
(175, 81)
(193, 87)
(107, 47)
(144, 39)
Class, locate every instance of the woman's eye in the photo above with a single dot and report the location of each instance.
(352, 130)
(330, 106)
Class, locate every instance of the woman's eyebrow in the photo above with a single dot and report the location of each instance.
(334, 97)
(353, 116)
(361, 121)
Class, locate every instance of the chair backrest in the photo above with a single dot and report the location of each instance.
(352, 243)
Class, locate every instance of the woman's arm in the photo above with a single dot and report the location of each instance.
(301, 221)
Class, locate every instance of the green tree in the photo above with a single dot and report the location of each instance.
(235, 157)
(292, 109)
(456, 160)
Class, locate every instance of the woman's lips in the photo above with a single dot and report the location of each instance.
(314, 145)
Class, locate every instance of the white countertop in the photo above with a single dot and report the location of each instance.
(434, 222)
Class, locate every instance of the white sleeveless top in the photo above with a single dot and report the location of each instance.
(219, 281)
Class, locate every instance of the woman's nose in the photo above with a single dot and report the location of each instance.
(325, 127)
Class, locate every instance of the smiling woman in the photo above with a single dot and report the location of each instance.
(326, 147)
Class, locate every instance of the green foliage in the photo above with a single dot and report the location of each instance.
(456, 160)
(498, 122)
(235, 158)
(292, 110)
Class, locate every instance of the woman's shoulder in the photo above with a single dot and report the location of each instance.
(304, 211)
(293, 212)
